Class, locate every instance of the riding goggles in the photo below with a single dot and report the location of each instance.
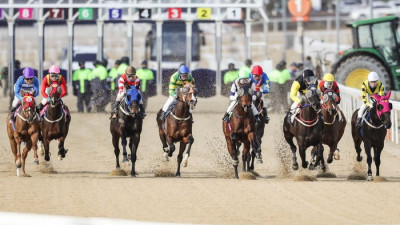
(131, 76)
(244, 81)
(184, 76)
(28, 78)
(54, 75)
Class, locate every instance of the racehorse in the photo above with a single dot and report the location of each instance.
(128, 124)
(24, 129)
(260, 125)
(307, 128)
(334, 124)
(372, 130)
(241, 129)
(55, 122)
(178, 126)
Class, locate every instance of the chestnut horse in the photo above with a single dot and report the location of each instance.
(55, 122)
(334, 124)
(128, 124)
(372, 130)
(24, 129)
(178, 126)
(307, 128)
(241, 129)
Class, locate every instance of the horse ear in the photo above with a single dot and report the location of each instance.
(388, 95)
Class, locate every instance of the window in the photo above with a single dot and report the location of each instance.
(364, 35)
(384, 42)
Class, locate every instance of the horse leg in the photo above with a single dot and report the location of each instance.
(115, 141)
(171, 146)
(377, 156)
(367, 147)
(25, 151)
(61, 149)
(134, 144)
(46, 143)
(234, 154)
(321, 157)
(252, 157)
(357, 142)
(125, 155)
(302, 152)
(163, 141)
(182, 148)
(34, 140)
(190, 141)
(245, 156)
(289, 140)
(14, 150)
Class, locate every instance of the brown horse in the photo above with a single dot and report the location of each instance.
(55, 122)
(178, 126)
(241, 129)
(334, 124)
(260, 126)
(307, 128)
(25, 129)
(372, 130)
(128, 124)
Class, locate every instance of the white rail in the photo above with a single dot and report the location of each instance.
(351, 100)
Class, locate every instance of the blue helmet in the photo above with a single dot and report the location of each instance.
(183, 69)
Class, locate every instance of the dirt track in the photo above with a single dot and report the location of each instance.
(82, 185)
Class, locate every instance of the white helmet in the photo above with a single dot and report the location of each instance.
(373, 76)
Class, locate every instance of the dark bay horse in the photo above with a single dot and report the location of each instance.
(372, 130)
(128, 124)
(307, 128)
(241, 129)
(334, 124)
(25, 129)
(178, 126)
(55, 122)
(260, 125)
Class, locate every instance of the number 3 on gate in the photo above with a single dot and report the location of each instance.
(174, 13)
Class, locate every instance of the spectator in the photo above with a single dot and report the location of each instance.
(308, 63)
(4, 76)
(101, 95)
(246, 68)
(112, 80)
(293, 70)
(145, 76)
(231, 75)
(81, 87)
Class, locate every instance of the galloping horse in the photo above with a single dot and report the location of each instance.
(334, 124)
(241, 129)
(372, 130)
(128, 124)
(307, 128)
(178, 126)
(260, 124)
(55, 122)
(25, 129)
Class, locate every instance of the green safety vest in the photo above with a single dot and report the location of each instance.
(246, 69)
(231, 76)
(113, 74)
(121, 68)
(144, 75)
(279, 77)
(99, 72)
(81, 75)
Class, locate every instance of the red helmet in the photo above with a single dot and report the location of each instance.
(257, 70)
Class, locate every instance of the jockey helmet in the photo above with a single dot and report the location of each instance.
(243, 75)
(308, 76)
(329, 77)
(28, 73)
(257, 70)
(130, 71)
(183, 69)
(54, 69)
(373, 76)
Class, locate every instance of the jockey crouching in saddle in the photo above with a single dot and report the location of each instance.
(127, 80)
(259, 79)
(27, 83)
(328, 83)
(371, 86)
(299, 86)
(54, 77)
(179, 79)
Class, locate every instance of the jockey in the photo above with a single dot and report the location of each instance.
(300, 85)
(27, 83)
(260, 78)
(328, 83)
(244, 78)
(371, 86)
(127, 80)
(178, 79)
(54, 76)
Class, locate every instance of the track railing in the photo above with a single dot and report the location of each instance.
(351, 100)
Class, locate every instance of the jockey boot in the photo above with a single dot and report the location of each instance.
(143, 112)
(114, 110)
(289, 115)
(13, 109)
(162, 116)
(226, 117)
(266, 118)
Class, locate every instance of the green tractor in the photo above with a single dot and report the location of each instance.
(376, 47)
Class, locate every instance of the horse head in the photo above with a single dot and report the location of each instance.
(28, 107)
(383, 107)
(132, 99)
(312, 97)
(245, 94)
(54, 93)
(187, 94)
(329, 101)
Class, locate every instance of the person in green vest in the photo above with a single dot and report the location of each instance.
(98, 82)
(81, 85)
(123, 66)
(231, 75)
(112, 79)
(145, 75)
(246, 68)
(279, 79)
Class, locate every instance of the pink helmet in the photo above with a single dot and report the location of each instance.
(54, 69)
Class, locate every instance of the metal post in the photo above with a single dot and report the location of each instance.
(218, 54)
(371, 10)
(129, 39)
(41, 48)
(189, 25)
(159, 24)
(300, 31)
(284, 28)
(247, 39)
(70, 25)
(11, 53)
(100, 39)
(337, 17)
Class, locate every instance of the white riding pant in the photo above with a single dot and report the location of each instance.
(253, 108)
(170, 100)
(16, 102)
(294, 110)
(362, 110)
(44, 101)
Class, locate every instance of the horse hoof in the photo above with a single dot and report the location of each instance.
(323, 168)
(336, 155)
(36, 161)
(359, 158)
(305, 165)
(170, 153)
(125, 159)
(47, 157)
(370, 178)
(165, 157)
(18, 171)
(295, 166)
(60, 157)
(329, 160)
(311, 167)
(185, 160)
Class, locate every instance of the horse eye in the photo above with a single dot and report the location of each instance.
(380, 107)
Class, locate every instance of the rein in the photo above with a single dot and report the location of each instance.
(54, 121)
(24, 119)
(307, 123)
(334, 119)
(371, 125)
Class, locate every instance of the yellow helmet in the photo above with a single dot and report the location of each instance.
(329, 77)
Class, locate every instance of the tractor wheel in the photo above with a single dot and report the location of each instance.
(354, 71)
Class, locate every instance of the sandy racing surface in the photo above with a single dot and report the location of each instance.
(205, 193)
